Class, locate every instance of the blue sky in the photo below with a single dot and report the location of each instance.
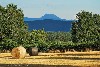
(66, 9)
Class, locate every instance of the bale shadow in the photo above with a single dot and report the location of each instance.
(8, 57)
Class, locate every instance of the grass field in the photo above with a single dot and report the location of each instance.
(68, 59)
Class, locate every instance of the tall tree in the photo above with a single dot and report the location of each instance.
(87, 28)
(12, 27)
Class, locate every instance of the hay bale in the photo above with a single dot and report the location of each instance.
(51, 51)
(18, 52)
(54, 51)
(33, 51)
(57, 51)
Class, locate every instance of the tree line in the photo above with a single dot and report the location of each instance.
(84, 34)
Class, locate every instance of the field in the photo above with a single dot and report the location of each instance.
(68, 59)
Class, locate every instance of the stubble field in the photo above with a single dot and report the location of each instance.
(68, 59)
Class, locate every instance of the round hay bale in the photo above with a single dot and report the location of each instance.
(18, 52)
(57, 51)
(33, 51)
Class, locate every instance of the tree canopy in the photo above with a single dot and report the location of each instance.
(85, 32)
(12, 26)
(87, 28)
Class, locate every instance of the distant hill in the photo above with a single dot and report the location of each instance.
(50, 16)
(30, 19)
(46, 16)
(50, 25)
(48, 22)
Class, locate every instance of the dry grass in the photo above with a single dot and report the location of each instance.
(69, 58)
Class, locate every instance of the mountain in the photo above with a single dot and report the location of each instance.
(46, 16)
(50, 25)
(50, 16)
(30, 19)
(49, 22)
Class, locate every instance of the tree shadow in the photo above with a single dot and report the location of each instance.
(60, 56)
(71, 58)
(34, 65)
(77, 54)
(41, 65)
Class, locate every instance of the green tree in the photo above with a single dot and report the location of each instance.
(86, 29)
(12, 28)
(37, 38)
(59, 36)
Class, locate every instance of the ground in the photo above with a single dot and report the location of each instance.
(69, 59)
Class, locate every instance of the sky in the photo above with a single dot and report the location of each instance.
(65, 9)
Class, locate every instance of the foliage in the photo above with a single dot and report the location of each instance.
(12, 27)
(61, 36)
(86, 29)
(85, 33)
(37, 38)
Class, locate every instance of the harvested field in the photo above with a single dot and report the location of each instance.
(68, 59)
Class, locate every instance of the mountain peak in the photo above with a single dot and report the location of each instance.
(45, 16)
(50, 16)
